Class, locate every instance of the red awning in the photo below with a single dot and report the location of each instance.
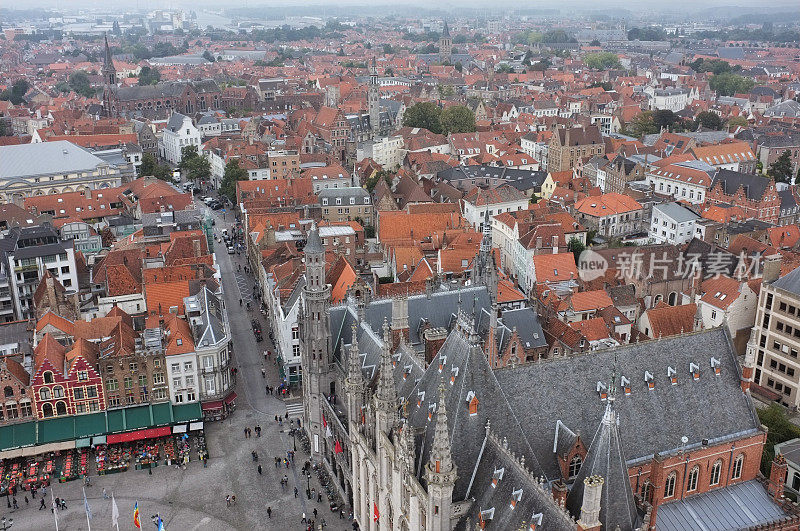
(138, 435)
(230, 398)
(211, 406)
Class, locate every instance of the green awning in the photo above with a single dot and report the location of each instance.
(116, 420)
(24, 434)
(59, 429)
(88, 425)
(187, 412)
(137, 417)
(162, 414)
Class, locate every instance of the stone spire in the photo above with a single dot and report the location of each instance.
(486, 241)
(386, 394)
(441, 468)
(108, 69)
(354, 375)
(407, 444)
(484, 268)
(605, 460)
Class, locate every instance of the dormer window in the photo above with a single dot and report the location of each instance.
(486, 517)
(694, 369)
(431, 411)
(472, 403)
(672, 375)
(715, 365)
(497, 475)
(626, 386)
(420, 398)
(516, 496)
(602, 390)
(324, 201)
(648, 378)
(453, 375)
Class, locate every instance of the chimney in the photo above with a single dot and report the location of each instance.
(196, 247)
(772, 268)
(590, 509)
(538, 242)
(560, 492)
(555, 242)
(777, 477)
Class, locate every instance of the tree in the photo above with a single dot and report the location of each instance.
(388, 49)
(601, 60)
(780, 429)
(115, 29)
(738, 121)
(664, 118)
(457, 119)
(642, 124)
(595, 43)
(16, 94)
(208, 56)
(576, 247)
(373, 181)
(504, 68)
(149, 75)
(646, 34)
(79, 82)
(426, 115)
(188, 154)
(709, 120)
(781, 169)
(728, 84)
(151, 167)
(233, 174)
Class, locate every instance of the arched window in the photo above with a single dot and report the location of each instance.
(8, 391)
(669, 486)
(647, 492)
(575, 466)
(44, 393)
(673, 299)
(61, 408)
(736, 473)
(47, 410)
(58, 392)
(691, 483)
(48, 377)
(716, 472)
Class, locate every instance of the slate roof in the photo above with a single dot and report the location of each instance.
(713, 407)
(789, 282)
(44, 158)
(754, 185)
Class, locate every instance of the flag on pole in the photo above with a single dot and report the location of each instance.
(328, 432)
(55, 507)
(136, 521)
(114, 512)
(160, 524)
(324, 421)
(375, 513)
(337, 447)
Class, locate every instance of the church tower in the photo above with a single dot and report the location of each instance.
(374, 100)
(484, 267)
(446, 45)
(109, 82)
(315, 349)
(440, 472)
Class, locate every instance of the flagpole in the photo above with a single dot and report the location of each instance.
(114, 506)
(86, 509)
(53, 500)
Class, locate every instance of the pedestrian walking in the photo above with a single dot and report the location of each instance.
(41, 505)
(287, 415)
(233, 499)
(263, 373)
(259, 470)
(228, 500)
(341, 514)
(315, 512)
(319, 497)
(27, 502)
(269, 512)
(295, 492)
(105, 496)
(16, 506)
(276, 462)
(303, 519)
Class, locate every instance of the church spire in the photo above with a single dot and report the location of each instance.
(440, 465)
(386, 394)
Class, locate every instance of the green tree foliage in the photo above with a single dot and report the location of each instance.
(197, 167)
(646, 34)
(709, 120)
(542, 65)
(79, 82)
(149, 75)
(233, 174)
(16, 93)
(457, 119)
(715, 66)
(642, 124)
(557, 36)
(505, 68)
(780, 429)
(388, 49)
(528, 37)
(728, 84)
(151, 167)
(664, 118)
(605, 85)
(576, 247)
(738, 121)
(601, 60)
(426, 115)
(115, 29)
(208, 56)
(781, 169)
(595, 43)
(373, 181)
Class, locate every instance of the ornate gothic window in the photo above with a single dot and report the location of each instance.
(691, 484)
(669, 485)
(575, 466)
(716, 472)
(736, 473)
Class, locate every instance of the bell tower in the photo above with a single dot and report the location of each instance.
(315, 349)
(109, 82)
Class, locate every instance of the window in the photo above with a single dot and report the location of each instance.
(158, 378)
(25, 409)
(575, 466)
(83, 376)
(156, 362)
(736, 473)
(128, 382)
(210, 386)
(133, 366)
(669, 486)
(187, 366)
(190, 396)
(176, 367)
(48, 377)
(91, 392)
(178, 398)
(189, 381)
(112, 384)
(78, 393)
(208, 362)
(142, 380)
(691, 484)
(176, 383)
(58, 392)
(11, 411)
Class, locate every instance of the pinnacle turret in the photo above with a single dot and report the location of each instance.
(386, 394)
(441, 463)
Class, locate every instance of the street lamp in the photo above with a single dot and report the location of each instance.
(294, 440)
(308, 484)
(6, 525)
